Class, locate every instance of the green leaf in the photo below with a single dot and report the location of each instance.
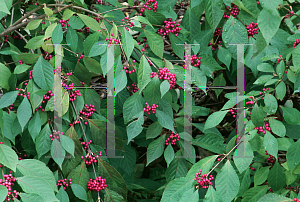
(212, 195)
(292, 155)
(165, 120)
(97, 49)
(164, 87)
(227, 182)
(21, 68)
(270, 57)
(121, 77)
(67, 14)
(43, 74)
(191, 23)
(79, 191)
(265, 67)
(224, 56)
(90, 41)
(255, 193)
(143, 20)
(58, 153)
(213, 12)
(48, 11)
(29, 58)
(72, 39)
(111, 196)
(234, 32)
(155, 149)
(263, 79)
(8, 157)
(35, 42)
(273, 197)
(243, 163)
(200, 78)
(113, 178)
(24, 112)
(291, 115)
(220, 82)
(271, 6)
(57, 34)
(271, 103)
(143, 73)
(8, 99)
(178, 50)
(268, 24)
(280, 90)
(43, 142)
(153, 130)
(205, 164)
(62, 195)
(3, 192)
(277, 127)
(68, 144)
(276, 177)
(5, 74)
(261, 175)
(92, 65)
(34, 184)
(214, 119)
(33, 167)
(32, 25)
(90, 22)
(176, 188)
(155, 42)
(82, 73)
(297, 84)
(80, 175)
(169, 154)
(270, 144)
(257, 115)
(210, 141)
(135, 127)
(128, 42)
(152, 92)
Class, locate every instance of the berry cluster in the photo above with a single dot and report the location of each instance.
(164, 74)
(271, 158)
(225, 16)
(279, 59)
(234, 10)
(148, 5)
(17, 37)
(254, 169)
(25, 155)
(126, 20)
(8, 182)
(233, 111)
(81, 56)
(134, 86)
(261, 130)
(173, 138)
(148, 108)
(112, 41)
(64, 23)
(12, 106)
(20, 61)
(218, 32)
(170, 26)
(296, 43)
(195, 61)
(99, 2)
(5, 38)
(24, 94)
(87, 30)
(72, 93)
(89, 158)
(252, 29)
(127, 70)
(87, 111)
(214, 46)
(264, 89)
(64, 183)
(55, 134)
(97, 184)
(203, 181)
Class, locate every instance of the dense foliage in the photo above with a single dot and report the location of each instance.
(149, 71)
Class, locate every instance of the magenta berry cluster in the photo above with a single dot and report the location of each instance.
(23, 93)
(17, 37)
(112, 41)
(134, 86)
(214, 46)
(5, 38)
(64, 23)
(296, 43)
(204, 181)
(150, 5)
(99, 2)
(296, 200)
(97, 184)
(234, 10)
(25, 155)
(261, 129)
(81, 56)
(279, 59)
(233, 112)
(12, 106)
(8, 182)
(195, 61)
(148, 108)
(20, 61)
(88, 157)
(127, 70)
(218, 32)
(264, 89)
(87, 111)
(271, 158)
(126, 20)
(64, 183)
(252, 29)
(166, 75)
(172, 139)
(170, 27)
(55, 134)
(225, 16)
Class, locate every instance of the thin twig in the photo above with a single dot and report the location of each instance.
(21, 35)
